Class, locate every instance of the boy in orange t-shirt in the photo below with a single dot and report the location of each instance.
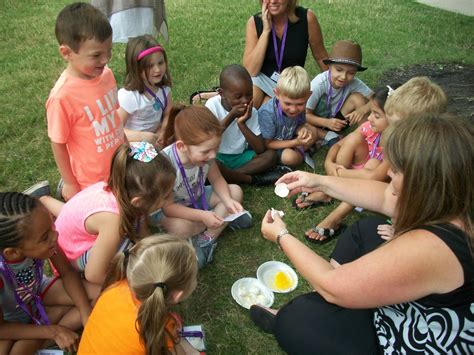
(83, 125)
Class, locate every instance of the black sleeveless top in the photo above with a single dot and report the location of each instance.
(437, 323)
(296, 46)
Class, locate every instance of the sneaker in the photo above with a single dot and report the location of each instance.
(265, 179)
(283, 169)
(59, 190)
(242, 222)
(204, 239)
(40, 189)
(204, 253)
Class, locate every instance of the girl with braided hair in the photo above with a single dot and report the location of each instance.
(142, 285)
(36, 308)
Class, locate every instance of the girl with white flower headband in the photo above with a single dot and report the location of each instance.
(145, 100)
(107, 216)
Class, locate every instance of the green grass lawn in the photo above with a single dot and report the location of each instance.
(206, 35)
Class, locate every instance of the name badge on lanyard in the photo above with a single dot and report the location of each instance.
(278, 56)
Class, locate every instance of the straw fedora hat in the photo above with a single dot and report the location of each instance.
(346, 52)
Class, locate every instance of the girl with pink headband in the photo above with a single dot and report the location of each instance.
(145, 100)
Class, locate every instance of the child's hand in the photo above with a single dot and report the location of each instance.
(304, 136)
(385, 231)
(247, 114)
(339, 169)
(232, 206)
(238, 111)
(211, 220)
(65, 338)
(149, 137)
(335, 124)
(331, 168)
(356, 116)
(69, 190)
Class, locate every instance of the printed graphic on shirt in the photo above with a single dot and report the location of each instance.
(108, 128)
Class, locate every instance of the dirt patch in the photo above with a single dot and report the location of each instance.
(455, 78)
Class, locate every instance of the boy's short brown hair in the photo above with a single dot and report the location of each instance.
(80, 21)
(416, 98)
(294, 83)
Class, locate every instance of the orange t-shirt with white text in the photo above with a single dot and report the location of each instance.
(83, 115)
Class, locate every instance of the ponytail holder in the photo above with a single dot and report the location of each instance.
(390, 90)
(161, 285)
(126, 254)
(142, 151)
(149, 51)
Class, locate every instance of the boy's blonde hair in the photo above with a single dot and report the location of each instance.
(416, 98)
(294, 83)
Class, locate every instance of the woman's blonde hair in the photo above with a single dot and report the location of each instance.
(152, 182)
(436, 157)
(155, 267)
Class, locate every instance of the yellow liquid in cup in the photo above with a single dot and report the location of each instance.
(282, 281)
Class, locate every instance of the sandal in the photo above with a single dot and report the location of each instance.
(263, 318)
(309, 203)
(196, 97)
(329, 233)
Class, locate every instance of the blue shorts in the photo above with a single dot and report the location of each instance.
(156, 216)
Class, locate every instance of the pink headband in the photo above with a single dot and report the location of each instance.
(149, 51)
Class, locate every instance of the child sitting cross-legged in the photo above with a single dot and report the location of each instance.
(242, 156)
(197, 210)
(338, 98)
(282, 119)
(36, 308)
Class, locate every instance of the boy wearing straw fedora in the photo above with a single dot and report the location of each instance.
(339, 98)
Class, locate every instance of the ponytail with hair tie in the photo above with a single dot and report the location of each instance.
(163, 286)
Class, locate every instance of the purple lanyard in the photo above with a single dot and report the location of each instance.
(373, 153)
(279, 58)
(10, 277)
(299, 120)
(329, 95)
(186, 182)
(158, 103)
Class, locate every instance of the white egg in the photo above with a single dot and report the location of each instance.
(262, 299)
(281, 190)
(254, 290)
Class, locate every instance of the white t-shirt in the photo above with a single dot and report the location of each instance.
(233, 141)
(142, 115)
(192, 174)
(319, 92)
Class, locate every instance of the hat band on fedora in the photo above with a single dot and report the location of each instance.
(345, 61)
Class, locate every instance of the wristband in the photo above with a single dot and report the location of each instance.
(283, 232)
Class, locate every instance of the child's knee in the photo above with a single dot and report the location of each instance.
(181, 227)
(269, 156)
(236, 192)
(355, 100)
(291, 157)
